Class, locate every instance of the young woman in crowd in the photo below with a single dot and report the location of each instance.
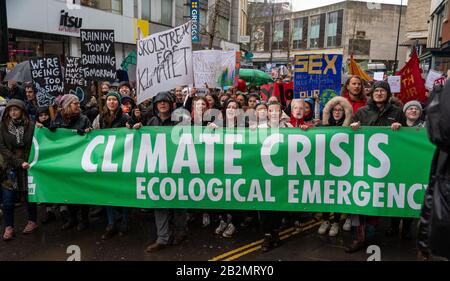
(16, 135)
(337, 112)
(70, 117)
(112, 116)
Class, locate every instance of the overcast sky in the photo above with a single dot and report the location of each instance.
(309, 4)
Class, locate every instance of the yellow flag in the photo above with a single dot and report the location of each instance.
(354, 69)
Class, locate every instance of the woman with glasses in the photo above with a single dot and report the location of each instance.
(337, 112)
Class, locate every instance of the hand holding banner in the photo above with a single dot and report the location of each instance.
(164, 61)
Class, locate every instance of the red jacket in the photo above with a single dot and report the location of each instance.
(357, 104)
(296, 123)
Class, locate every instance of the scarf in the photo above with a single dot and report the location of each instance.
(17, 129)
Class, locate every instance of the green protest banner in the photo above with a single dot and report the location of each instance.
(373, 171)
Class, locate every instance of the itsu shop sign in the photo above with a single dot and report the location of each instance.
(69, 23)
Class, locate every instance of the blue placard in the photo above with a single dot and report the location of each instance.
(317, 75)
(195, 16)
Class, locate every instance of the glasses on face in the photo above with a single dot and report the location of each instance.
(380, 92)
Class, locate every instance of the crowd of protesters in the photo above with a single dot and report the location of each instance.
(114, 106)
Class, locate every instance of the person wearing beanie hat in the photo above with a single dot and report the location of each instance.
(383, 85)
(67, 100)
(114, 94)
(412, 103)
(413, 112)
(377, 112)
(309, 109)
(70, 117)
(43, 117)
(112, 116)
(128, 104)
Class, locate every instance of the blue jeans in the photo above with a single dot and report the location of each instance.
(110, 214)
(8, 199)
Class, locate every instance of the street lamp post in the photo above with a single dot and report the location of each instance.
(398, 35)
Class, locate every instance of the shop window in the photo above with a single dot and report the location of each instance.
(332, 29)
(158, 11)
(112, 6)
(314, 32)
(224, 27)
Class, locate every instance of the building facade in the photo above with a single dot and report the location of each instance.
(222, 22)
(366, 30)
(416, 20)
(52, 27)
(437, 55)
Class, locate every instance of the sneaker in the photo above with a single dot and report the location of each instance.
(324, 227)
(206, 220)
(9, 234)
(347, 225)
(229, 231)
(30, 227)
(334, 230)
(221, 228)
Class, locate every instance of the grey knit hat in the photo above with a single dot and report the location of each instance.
(412, 103)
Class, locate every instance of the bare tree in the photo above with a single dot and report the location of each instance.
(211, 29)
(268, 12)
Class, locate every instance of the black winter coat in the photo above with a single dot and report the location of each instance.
(80, 122)
(156, 121)
(13, 154)
(370, 115)
(119, 122)
(433, 237)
